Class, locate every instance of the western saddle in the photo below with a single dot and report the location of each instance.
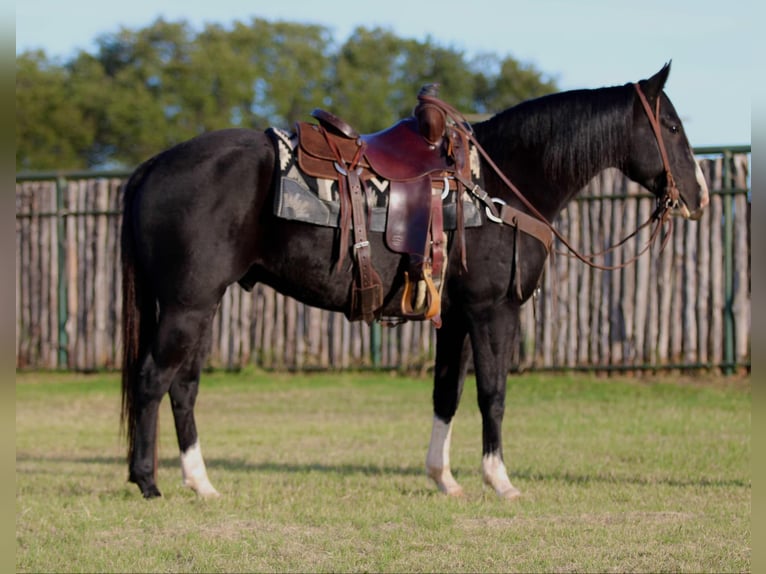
(422, 157)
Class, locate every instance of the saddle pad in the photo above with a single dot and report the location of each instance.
(302, 197)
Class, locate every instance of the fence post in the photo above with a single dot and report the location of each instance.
(728, 265)
(63, 294)
(375, 344)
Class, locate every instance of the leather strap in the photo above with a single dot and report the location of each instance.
(367, 293)
(438, 254)
(430, 272)
(460, 226)
(437, 235)
(528, 224)
(370, 287)
(343, 170)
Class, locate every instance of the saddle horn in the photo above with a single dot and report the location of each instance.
(432, 122)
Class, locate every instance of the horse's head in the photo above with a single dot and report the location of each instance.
(674, 175)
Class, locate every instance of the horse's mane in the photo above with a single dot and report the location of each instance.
(572, 134)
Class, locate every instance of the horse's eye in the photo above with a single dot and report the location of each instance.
(674, 129)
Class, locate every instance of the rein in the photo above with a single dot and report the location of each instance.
(508, 215)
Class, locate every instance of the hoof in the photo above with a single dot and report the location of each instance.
(496, 476)
(510, 493)
(455, 492)
(208, 494)
(150, 492)
(452, 489)
(445, 482)
(194, 473)
(147, 486)
(202, 487)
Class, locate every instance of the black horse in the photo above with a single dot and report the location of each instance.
(199, 217)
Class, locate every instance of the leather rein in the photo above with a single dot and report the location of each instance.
(508, 215)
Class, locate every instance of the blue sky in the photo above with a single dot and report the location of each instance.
(579, 43)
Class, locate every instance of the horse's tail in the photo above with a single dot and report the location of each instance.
(139, 312)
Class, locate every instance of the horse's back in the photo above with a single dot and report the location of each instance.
(210, 158)
(194, 209)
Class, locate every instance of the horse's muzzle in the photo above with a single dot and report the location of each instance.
(681, 209)
(703, 199)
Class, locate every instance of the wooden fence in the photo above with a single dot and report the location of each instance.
(688, 307)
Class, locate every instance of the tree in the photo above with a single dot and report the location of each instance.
(368, 84)
(295, 70)
(145, 90)
(512, 84)
(51, 131)
(148, 74)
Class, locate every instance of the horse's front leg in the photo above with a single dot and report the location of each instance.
(452, 353)
(493, 336)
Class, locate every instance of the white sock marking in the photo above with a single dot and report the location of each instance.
(437, 459)
(496, 476)
(194, 472)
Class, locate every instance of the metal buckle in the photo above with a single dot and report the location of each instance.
(490, 216)
(339, 169)
(445, 193)
(361, 244)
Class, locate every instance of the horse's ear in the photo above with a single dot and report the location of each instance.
(654, 85)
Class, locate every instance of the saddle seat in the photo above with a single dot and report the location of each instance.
(398, 153)
(418, 156)
(401, 153)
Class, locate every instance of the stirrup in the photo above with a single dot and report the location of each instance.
(430, 306)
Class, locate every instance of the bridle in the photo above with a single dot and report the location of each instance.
(672, 196)
(661, 215)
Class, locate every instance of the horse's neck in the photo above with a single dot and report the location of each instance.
(550, 152)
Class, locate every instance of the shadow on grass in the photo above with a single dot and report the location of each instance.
(347, 469)
(604, 478)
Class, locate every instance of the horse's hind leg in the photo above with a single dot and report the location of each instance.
(172, 352)
(452, 353)
(148, 394)
(183, 396)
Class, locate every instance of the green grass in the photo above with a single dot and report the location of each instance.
(325, 473)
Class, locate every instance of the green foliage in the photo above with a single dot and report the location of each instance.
(51, 130)
(324, 473)
(145, 90)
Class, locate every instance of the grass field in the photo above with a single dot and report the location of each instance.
(325, 473)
